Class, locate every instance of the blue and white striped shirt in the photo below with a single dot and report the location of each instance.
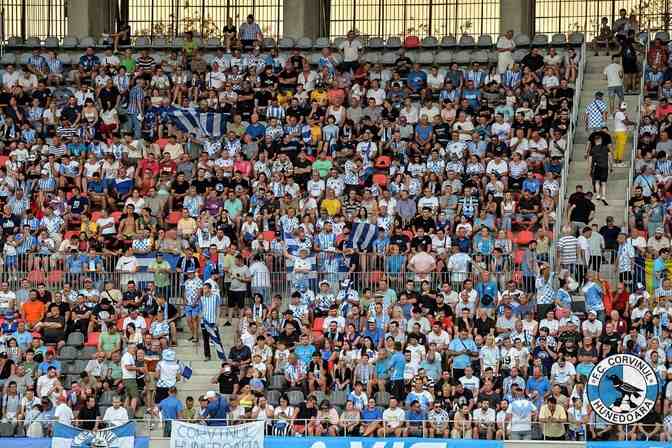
(55, 65)
(211, 308)
(135, 99)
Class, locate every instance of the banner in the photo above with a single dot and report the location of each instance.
(188, 435)
(378, 442)
(68, 436)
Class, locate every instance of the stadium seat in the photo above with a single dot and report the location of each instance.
(375, 43)
(322, 42)
(143, 42)
(286, 43)
(411, 42)
(337, 42)
(24, 58)
(278, 382)
(70, 42)
(177, 42)
(372, 57)
(521, 40)
(558, 39)
(213, 42)
(540, 40)
(429, 42)
(106, 398)
(493, 57)
(8, 58)
(389, 58)
(14, 42)
(87, 41)
(295, 397)
(484, 41)
(448, 42)
(393, 43)
(462, 57)
(69, 352)
(314, 58)
(273, 397)
(92, 339)
(268, 43)
(55, 277)
(663, 35)
(33, 42)
(87, 353)
(75, 339)
(425, 58)
(304, 43)
(382, 398)
(338, 397)
(51, 42)
(518, 55)
(117, 216)
(65, 58)
(36, 276)
(479, 56)
(443, 57)
(199, 41)
(466, 41)
(576, 38)
(159, 42)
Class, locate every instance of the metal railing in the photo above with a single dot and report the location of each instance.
(635, 137)
(569, 150)
(468, 428)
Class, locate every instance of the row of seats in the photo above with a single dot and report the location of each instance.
(424, 57)
(306, 43)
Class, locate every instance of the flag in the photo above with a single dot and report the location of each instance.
(215, 338)
(212, 124)
(68, 436)
(362, 236)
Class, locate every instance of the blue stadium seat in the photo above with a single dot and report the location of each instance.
(484, 41)
(322, 42)
(143, 42)
(304, 43)
(540, 40)
(376, 43)
(558, 39)
(448, 42)
(51, 42)
(8, 58)
(521, 40)
(393, 43)
(466, 41)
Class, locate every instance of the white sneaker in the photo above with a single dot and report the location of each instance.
(598, 197)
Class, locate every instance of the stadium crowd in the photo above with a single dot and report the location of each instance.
(378, 236)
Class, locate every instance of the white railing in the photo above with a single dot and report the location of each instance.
(569, 150)
(635, 137)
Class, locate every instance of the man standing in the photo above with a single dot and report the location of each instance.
(614, 76)
(136, 99)
(505, 47)
(596, 113)
(600, 163)
(249, 32)
(210, 302)
(621, 123)
(350, 48)
(128, 375)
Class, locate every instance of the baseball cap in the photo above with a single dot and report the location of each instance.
(210, 394)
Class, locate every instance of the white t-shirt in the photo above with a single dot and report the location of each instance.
(64, 414)
(619, 121)
(521, 415)
(126, 374)
(394, 417)
(115, 417)
(614, 74)
(350, 50)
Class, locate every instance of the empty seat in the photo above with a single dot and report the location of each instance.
(337, 42)
(87, 353)
(322, 42)
(521, 40)
(199, 41)
(159, 42)
(304, 43)
(519, 54)
(319, 396)
(466, 40)
(338, 397)
(540, 40)
(443, 57)
(372, 57)
(51, 42)
(33, 42)
(393, 42)
(177, 42)
(484, 41)
(75, 339)
(462, 57)
(493, 57)
(213, 42)
(70, 42)
(314, 58)
(68, 353)
(558, 39)
(425, 58)
(448, 42)
(375, 43)
(8, 58)
(14, 41)
(576, 38)
(278, 382)
(662, 35)
(65, 58)
(429, 42)
(389, 58)
(479, 56)
(87, 41)
(268, 43)
(295, 397)
(158, 57)
(143, 42)
(106, 398)
(382, 398)
(24, 58)
(273, 397)
(286, 43)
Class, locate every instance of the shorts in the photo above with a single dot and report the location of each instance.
(599, 174)
(237, 298)
(131, 387)
(193, 310)
(615, 92)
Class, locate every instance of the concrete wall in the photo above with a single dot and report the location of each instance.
(90, 17)
(304, 18)
(516, 15)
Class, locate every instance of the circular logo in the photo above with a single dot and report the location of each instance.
(622, 389)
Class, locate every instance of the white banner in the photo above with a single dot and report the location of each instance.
(188, 435)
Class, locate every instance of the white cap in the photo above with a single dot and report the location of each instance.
(210, 394)
(624, 105)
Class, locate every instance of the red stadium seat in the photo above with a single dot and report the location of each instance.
(92, 339)
(317, 324)
(55, 277)
(36, 276)
(412, 42)
(116, 216)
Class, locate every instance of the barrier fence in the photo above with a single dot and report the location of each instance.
(452, 428)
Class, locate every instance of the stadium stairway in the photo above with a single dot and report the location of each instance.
(617, 186)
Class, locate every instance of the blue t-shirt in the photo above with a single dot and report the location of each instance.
(372, 414)
(217, 410)
(398, 365)
(416, 80)
(541, 386)
(170, 407)
(304, 352)
(458, 345)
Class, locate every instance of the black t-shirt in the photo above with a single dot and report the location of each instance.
(306, 413)
(610, 235)
(600, 156)
(483, 327)
(606, 138)
(226, 383)
(612, 340)
(401, 241)
(180, 187)
(427, 224)
(581, 210)
(88, 417)
(417, 241)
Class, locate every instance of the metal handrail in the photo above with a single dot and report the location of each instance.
(635, 138)
(569, 152)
